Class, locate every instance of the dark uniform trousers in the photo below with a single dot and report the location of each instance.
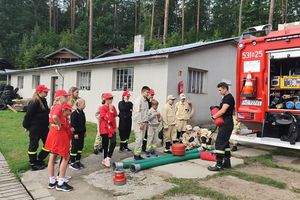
(124, 131)
(76, 148)
(222, 141)
(35, 136)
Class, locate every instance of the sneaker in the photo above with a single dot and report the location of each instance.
(96, 151)
(104, 161)
(81, 165)
(36, 167)
(148, 154)
(74, 166)
(215, 168)
(234, 148)
(138, 157)
(65, 187)
(153, 153)
(107, 162)
(122, 149)
(52, 185)
(167, 151)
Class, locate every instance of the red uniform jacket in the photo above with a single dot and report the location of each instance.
(108, 123)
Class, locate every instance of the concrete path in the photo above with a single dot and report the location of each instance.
(10, 186)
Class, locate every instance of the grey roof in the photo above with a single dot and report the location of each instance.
(66, 49)
(109, 51)
(131, 56)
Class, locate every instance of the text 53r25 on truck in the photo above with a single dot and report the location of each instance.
(268, 84)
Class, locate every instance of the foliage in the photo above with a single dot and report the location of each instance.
(25, 36)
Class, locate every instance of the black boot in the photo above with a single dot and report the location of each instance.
(144, 147)
(218, 166)
(122, 148)
(226, 163)
(234, 148)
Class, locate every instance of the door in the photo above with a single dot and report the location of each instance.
(54, 87)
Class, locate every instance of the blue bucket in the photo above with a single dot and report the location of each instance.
(297, 105)
(289, 105)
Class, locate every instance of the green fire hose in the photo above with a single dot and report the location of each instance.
(127, 164)
(135, 167)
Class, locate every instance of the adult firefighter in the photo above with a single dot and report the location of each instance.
(226, 111)
(36, 121)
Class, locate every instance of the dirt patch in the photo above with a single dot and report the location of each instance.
(286, 161)
(142, 185)
(186, 198)
(241, 189)
(292, 179)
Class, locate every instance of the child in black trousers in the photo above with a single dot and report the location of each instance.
(78, 122)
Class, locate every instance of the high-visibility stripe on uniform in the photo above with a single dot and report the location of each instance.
(154, 146)
(227, 149)
(220, 152)
(209, 146)
(125, 141)
(79, 151)
(32, 152)
(44, 149)
(73, 154)
(203, 145)
(145, 139)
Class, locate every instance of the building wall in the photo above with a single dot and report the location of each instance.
(219, 62)
(152, 73)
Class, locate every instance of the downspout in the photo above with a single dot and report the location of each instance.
(62, 78)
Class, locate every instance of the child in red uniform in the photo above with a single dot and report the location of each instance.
(108, 114)
(58, 141)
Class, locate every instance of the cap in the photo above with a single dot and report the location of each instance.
(126, 94)
(67, 107)
(60, 93)
(182, 96)
(107, 96)
(171, 97)
(196, 128)
(42, 88)
(152, 92)
(189, 127)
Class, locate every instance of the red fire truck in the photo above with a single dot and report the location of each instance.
(268, 85)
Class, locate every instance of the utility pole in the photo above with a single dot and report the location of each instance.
(240, 17)
(73, 15)
(166, 21)
(91, 30)
(182, 21)
(152, 19)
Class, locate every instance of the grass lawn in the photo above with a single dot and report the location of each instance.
(14, 140)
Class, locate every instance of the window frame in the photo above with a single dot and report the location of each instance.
(20, 85)
(84, 80)
(119, 76)
(196, 77)
(33, 83)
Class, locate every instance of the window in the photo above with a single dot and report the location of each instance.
(84, 80)
(20, 82)
(123, 79)
(196, 81)
(35, 81)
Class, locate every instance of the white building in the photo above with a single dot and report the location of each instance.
(200, 67)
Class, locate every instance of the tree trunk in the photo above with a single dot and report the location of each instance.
(271, 11)
(166, 21)
(73, 15)
(115, 25)
(91, 29)
(286, 10)
(152, 19)
(50, 14)
(198, 17)
(135, 18)
(182, 21)
(240, 17)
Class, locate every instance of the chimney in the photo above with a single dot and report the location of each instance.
(139, 42)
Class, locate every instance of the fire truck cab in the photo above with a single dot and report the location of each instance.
(268, 85)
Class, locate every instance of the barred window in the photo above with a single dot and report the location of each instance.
(123, 79)
(20, 83)
(196, 81)
(84, 80)
(35, 81)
